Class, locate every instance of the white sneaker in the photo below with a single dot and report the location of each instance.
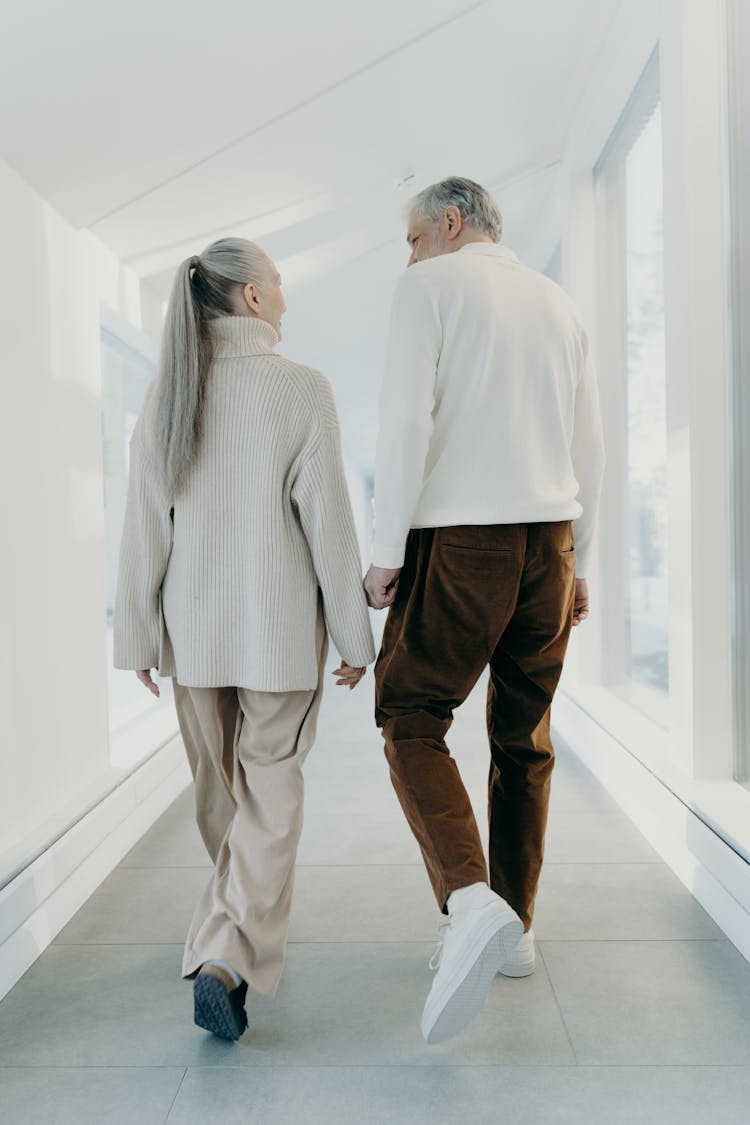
(477, 937)
(520, 961)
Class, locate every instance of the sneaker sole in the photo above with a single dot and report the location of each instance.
(514, 967)
(523, 970)
(464, 997)
(214, 1010)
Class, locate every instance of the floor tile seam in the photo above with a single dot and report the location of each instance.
(209, 867)
(555, 997)
(300, 941)
(594, 805)
(176, 1095)
(302, 863)
(442, 1067)
(428, 941)
(630, 941)
(94, 1066)
(388, 941)
(603, 863)
(439, 1067)
(608, 863)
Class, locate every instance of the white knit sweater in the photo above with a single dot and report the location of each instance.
(489, 408)
(225, 592)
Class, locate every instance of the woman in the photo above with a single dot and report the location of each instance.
(238, 555)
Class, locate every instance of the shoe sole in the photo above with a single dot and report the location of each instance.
(464, 997)
(214, 1009)
(523, 970)
(517, 968)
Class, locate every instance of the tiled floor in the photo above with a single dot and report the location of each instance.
(639, 1011)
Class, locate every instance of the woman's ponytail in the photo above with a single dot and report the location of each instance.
(185, 359)
(204, 289)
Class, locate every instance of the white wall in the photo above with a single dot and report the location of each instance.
(53, 678)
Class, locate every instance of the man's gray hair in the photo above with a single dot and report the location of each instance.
(478, 208)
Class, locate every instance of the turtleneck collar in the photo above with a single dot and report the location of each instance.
(242, 335)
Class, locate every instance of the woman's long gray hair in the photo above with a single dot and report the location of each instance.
(206, 286)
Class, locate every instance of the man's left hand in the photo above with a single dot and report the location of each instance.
(381, 586)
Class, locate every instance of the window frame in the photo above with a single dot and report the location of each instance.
(738, 119)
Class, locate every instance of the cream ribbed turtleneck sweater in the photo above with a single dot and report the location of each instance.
(225, 592)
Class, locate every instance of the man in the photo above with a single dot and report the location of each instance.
(490, 444)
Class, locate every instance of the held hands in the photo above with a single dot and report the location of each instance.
(581, 601)
(350, 677)
(145, 678)
(381, 586)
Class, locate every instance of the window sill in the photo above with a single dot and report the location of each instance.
(722, 804)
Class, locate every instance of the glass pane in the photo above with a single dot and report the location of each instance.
(646, 530)
(126, 375)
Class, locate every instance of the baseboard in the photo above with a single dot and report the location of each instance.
(711, 870)
(43, 897)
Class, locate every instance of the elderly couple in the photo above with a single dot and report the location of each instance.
(239, 556)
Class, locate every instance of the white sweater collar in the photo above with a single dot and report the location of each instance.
(492, 248)
(242, 335)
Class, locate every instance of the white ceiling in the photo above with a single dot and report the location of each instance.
(162, 124)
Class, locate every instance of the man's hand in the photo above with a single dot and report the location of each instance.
(145, 678)
(581, 601)
(350, 677)
(381, 586)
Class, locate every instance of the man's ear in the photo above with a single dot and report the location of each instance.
(251, 297)
(454, 221)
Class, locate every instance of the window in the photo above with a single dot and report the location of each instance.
(646, 601)
(127, 371)
(628, 176)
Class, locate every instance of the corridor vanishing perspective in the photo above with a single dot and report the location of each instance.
(639, 1009)
(355, 306)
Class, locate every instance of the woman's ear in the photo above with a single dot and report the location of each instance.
(250, 296)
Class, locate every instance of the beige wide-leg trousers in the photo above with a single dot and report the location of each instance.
(246, 750)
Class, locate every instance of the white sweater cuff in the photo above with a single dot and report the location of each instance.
(388, 558)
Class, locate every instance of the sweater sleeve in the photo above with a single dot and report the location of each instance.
(321, 496)
(144, 554)
(587, 455)
(406, 424)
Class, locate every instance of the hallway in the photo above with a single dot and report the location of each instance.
(639, 1010)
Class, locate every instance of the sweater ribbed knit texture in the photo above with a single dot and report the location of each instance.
(226, 591)
(489, 408)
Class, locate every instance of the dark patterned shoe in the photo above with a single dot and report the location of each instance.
(219, 1003)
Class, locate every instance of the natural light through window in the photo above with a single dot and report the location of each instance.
(646, 531)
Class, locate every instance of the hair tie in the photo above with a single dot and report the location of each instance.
(194, 262)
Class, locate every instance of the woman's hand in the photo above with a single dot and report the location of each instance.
(350, 677)
(145, 678)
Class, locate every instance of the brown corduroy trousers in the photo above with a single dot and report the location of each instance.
(470, 596)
